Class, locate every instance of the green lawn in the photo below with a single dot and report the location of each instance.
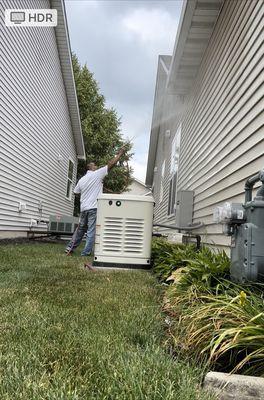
(68, 333)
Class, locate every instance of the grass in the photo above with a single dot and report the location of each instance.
(67, 333)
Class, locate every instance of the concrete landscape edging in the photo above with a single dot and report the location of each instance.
(234, 386)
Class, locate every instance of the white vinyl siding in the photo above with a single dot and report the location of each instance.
(35, 128)
(222, 133)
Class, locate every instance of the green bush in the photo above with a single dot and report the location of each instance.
(206, 269)
(167, 257)
(185, 265)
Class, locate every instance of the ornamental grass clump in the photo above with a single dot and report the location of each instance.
(240, 330)
(225, 329)
(212, 319)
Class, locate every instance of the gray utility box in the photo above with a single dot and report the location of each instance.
(184, 208)
(247, 254)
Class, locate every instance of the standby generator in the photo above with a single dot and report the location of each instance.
(123, 230)
(245, 224)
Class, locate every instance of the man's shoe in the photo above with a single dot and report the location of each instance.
(85, 254)
(68, 252)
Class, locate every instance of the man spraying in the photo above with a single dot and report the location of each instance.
(90, 186)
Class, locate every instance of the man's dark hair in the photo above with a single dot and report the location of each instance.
(88, 165)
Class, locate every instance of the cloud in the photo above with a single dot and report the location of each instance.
(157, 32)
(120, 41)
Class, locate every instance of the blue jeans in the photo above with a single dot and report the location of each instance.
(86, 224)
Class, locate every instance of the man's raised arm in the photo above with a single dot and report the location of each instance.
(114, 160)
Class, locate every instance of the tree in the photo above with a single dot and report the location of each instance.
(101, 131)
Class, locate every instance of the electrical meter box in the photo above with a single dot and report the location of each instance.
(184, 208)
(123, 229)
(245, 224)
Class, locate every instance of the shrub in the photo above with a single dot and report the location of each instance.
(205, 270)
(167, 257)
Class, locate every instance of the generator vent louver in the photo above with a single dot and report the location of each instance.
(134, 235)
(123, 234)
(113, 234)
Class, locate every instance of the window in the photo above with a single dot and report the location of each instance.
(175, 151)
(70, 180)
(175, 154)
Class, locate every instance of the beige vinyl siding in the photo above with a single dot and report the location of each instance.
(35, 126)
(165, 117)
(222, 139)
(167, 122)
(164, 151)
(222, 132)
(170, 119)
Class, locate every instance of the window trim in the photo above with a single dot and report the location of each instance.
(162, 175)
(174, 167)
(70, 180)
(172, 193)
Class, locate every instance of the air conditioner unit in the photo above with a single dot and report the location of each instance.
(62, 224)
(123, 230)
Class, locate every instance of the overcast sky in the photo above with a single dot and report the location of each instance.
(120, 42)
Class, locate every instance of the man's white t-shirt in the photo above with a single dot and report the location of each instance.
(91, 186)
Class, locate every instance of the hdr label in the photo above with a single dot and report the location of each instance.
(32, 17)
